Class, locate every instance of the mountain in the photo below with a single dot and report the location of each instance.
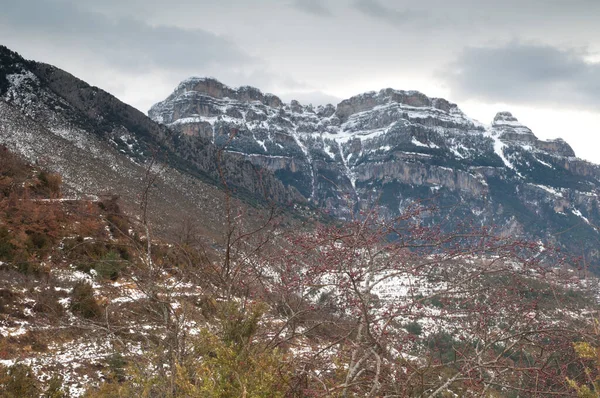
(90, 308)
(390, 148)
(227, 298)
(381, 150)
(102, 146)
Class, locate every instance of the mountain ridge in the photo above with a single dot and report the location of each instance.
(103, 146)
(389, 147)
(378, 150)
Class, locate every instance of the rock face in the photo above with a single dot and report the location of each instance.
(389, 148)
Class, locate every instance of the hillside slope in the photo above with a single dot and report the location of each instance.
(102, 146)
(90, 307)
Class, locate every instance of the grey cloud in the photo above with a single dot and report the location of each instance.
(398, 18)
(314, 7)
(527, 74)
(127, 43)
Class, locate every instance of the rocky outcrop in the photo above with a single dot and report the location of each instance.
(391, 147)
(200, 97)
(415, 103)
(510, 130)
(376, 136)
(558, 147)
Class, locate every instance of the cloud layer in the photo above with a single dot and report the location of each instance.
(526, 73)
(394, 17)
(125, 42)
(314, 7)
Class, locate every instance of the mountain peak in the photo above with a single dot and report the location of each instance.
(416, 99)
(383, 149)
(10, 63)
(506, 119)
(214, 88)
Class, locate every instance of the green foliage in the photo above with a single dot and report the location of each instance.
(226, 372)
(117, 366)
(30, 268)
(83, 301)
(590, 355)
(443, 346)
(110, 266)
(436, 302)
(107, 259)
(7, 248)
(55, 389)
(38, 241)
(10, 62)
(49, 184)
(231, 363)
(227, 363)
(118, 222)
(7, 297)
(18, 381)
(47, 302)
(238, 326)
(414, 328)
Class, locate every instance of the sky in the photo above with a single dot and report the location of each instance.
(539, 59)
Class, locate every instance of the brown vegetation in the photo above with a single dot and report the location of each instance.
(368, 308)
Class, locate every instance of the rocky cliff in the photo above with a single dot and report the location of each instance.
(390, 148)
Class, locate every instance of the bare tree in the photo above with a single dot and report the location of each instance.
(419, 311)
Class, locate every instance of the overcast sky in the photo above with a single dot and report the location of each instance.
(539, 59)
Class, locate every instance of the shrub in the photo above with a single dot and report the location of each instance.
(222, 364)
(7, 297)
(46, 302)
(18, 381)
(224, 372)
(110, 266)
(590, 356)
(49, 184)
(238, 325)
(55, 388)
(83, 301)
(32, 268)
(38, 241)
(117, 365)
(414, 328)
(118, 222)
(7, 248)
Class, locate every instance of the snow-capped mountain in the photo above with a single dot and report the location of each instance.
(381, 149)
(392, 147)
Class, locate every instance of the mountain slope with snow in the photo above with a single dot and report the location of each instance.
(392, 147)
(102, 146)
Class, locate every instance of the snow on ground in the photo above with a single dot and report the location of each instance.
(578, 214)
(499, 148)
(548, 189)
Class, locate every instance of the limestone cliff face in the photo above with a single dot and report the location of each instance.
(512, 131)
(390, 147)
